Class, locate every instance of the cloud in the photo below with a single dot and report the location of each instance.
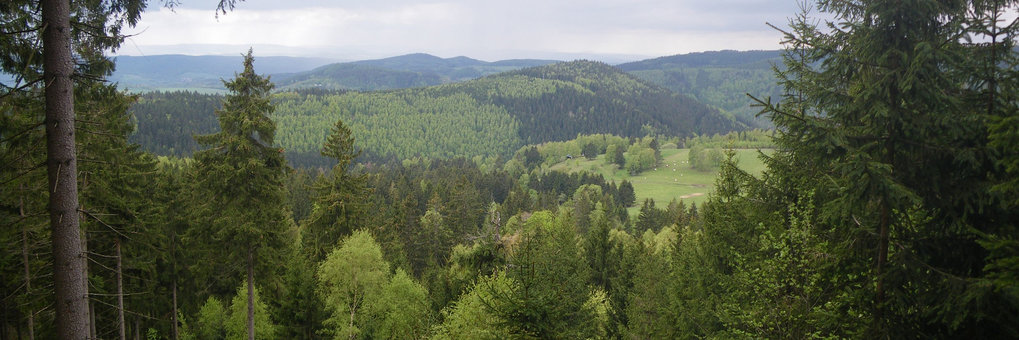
(481, 29)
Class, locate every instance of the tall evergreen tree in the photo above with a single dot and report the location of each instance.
(888, 120)
(339, 198)
(240, 181)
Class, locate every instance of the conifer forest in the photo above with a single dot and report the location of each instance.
(514, 201)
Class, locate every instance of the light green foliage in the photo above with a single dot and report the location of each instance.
(365, 301)
(601, 309)
(401, 124)
(640, 156)
(748, 139)
(401, 310)
(236, 323)
(702, 158)
(211, 321)
(470, 318)
(349, 279)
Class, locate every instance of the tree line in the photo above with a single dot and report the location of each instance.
(487, 117)
(888, 210)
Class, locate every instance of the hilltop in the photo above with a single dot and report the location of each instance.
(412, 70)
(721, 79)
(485, 117)
(163, 72)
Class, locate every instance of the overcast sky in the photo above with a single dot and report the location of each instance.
(482, 29)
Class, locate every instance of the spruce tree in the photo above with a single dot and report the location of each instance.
(240, 181)
(883, 126)
(339, 197)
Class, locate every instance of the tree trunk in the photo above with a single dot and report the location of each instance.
(882, 258)
(251, 294)
(173, 329)
(120, 293)
(24, 259)
(93, 334)
(62, 169)
(173, 284)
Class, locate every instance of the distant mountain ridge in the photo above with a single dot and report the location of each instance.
(726, 58)
(412, 70)
(486, 117)
(720, 78)
(173, 71)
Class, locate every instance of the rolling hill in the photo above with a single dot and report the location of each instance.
(202, 73)
(412, 70)
(487, 117)
(721, 79)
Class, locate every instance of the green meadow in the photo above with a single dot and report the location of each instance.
(672, 179)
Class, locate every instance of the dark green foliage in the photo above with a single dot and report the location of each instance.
(596, 98)
(489, 117)
(548, 297)
(876, 204)
(359, 77)
(167, 121)
(627, 197)
(295, 305)
(590, 151)
(239, 189)
(651, 218)
(412, 70)
(202, 73)
(720, 79)
(338, 199)
(532, 157)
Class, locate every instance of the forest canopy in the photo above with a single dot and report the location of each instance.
(887, 209)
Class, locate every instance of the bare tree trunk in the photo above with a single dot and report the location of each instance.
(62, 171)
(24, 259)
(92, 333)
(120, 293)
(251, 294)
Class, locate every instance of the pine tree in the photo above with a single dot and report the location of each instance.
(339, 197)
(886, 122)
(240, 181)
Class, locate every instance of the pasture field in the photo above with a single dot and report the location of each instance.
(673, 178)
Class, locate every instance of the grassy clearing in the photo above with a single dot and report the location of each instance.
(673, 178)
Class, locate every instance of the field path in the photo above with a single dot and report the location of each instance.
(692, 195)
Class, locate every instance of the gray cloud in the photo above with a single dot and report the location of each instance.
(482, 29)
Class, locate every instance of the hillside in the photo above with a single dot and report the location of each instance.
(491, 116)
(721, 79)
(559, 101)
(412, 70)
(357, 77)
(162, 72)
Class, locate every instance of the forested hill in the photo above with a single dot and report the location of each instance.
(582, 97)
(412, 70)
(486, 117)
(721, 78)
(148, 73)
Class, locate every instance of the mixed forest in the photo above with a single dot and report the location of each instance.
(489, 118)
(889, 207)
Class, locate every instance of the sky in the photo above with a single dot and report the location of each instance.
(606, 30)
